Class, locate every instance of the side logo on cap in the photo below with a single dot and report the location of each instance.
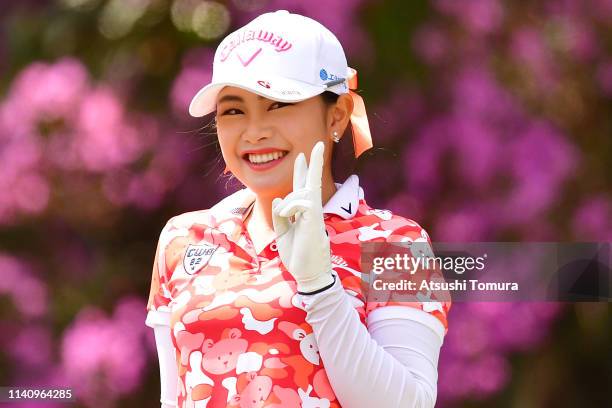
(265, 84)
(324, 75)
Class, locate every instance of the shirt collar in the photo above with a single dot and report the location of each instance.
(346, 199)
(343, 203)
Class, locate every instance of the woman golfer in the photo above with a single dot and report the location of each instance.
(257, 301)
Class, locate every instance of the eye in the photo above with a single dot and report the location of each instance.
(280, 104)
(229, 111)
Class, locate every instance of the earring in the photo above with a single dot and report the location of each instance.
(335, 137)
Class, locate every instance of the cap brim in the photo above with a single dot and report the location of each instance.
(280, 89)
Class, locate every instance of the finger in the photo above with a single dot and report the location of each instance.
(280, 224)
(295, 207)
(281, 206)
(315, 167)
(294, 195)
(299, 172)
(302, 194)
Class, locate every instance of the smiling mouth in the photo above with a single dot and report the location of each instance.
(265, 157)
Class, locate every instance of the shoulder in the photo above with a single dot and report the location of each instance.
(187, 220)
(393, 227)
(229, 209)
(429, 309)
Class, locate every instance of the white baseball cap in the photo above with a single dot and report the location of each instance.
(279, 55)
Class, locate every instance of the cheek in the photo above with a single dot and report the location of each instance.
(227, 143)
(309, 139)
(303, 133)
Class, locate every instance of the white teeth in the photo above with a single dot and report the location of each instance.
(266, 157)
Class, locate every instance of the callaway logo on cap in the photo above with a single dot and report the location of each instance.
(288, 58)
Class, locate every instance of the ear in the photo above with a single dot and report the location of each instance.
(299, 334)
(339, 114)
(207, 345)
(235, 400)
(235, 333)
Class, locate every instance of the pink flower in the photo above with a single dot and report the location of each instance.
(593, 219)
(196, 72)
(603, 75)
(103, 356)
(498, 328)
(44, 93)
(542, 160)
(601, 10)
(479, 16)
(84, 131)
(397, 115)
(23, 188)
(406, 205)
(430, 43)
(28, 293)
(579, 39)
(31, 346)
(490, 373)
(104, 140)
(529, 48)
(463, 225)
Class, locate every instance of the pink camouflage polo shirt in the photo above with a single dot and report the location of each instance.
(238, 326)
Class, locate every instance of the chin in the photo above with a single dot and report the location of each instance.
(269, 186)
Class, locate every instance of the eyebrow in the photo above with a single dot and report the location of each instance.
(228, 98)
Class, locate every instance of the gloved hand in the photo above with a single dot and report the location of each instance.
(303, 245)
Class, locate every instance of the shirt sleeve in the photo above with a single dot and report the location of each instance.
(402, 336)
(429, 308)
(392, 363)
(158, 305)
(168, 371)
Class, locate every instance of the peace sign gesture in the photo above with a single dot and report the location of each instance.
(303, 245)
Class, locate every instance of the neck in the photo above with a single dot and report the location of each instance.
(262, 208)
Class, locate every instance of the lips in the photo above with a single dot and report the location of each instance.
(264, 159)
(262, 151)
(260, 156)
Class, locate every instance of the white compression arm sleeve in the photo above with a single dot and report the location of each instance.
(168, 373)
(392, 363)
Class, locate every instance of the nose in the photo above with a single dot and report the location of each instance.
(256, 131)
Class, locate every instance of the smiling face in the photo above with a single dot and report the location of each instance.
(260, 138)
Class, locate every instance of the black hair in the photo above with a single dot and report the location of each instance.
(341, 163)
(329, 97)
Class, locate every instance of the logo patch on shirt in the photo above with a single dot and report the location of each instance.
(197, 256)
(239, 210)
(349, 209)
(338, 260)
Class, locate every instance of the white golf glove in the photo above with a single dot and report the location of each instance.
(303, 245)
